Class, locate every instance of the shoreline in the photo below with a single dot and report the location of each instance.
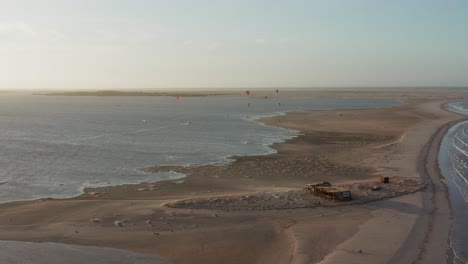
(226, 159)
(435, 145)
(137, 206)
(434, 176)
(450, 250)
(430, 172)
(422, 242)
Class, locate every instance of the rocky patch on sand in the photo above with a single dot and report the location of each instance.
(361, 192)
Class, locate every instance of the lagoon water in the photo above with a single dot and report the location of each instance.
(54, 146)
(453, 161)
(15, 252)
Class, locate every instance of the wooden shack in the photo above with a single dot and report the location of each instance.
(316, 187)
(327, 190)
(384, 179)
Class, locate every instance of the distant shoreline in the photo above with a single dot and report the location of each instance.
(127, 93)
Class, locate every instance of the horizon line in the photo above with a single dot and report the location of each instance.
(237, 88)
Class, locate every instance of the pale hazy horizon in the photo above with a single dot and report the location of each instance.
(144, 45)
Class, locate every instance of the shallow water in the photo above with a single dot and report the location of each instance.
(13, 252)
(453, 161)
(53, 146)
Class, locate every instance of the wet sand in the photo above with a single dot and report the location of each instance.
(345, 147)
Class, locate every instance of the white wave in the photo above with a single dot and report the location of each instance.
(458, 182)
(461, 150)
(458, 107)
(463, 132)
(461, 140)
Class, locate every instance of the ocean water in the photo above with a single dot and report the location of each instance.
(53, 146)
(453, 161)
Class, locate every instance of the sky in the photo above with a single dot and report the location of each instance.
(155, 44)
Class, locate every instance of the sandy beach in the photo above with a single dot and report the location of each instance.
(254, 209)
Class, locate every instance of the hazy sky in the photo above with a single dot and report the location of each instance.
(124, 44)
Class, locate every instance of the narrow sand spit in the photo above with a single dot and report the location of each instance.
(437, 220)
(335, 146)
